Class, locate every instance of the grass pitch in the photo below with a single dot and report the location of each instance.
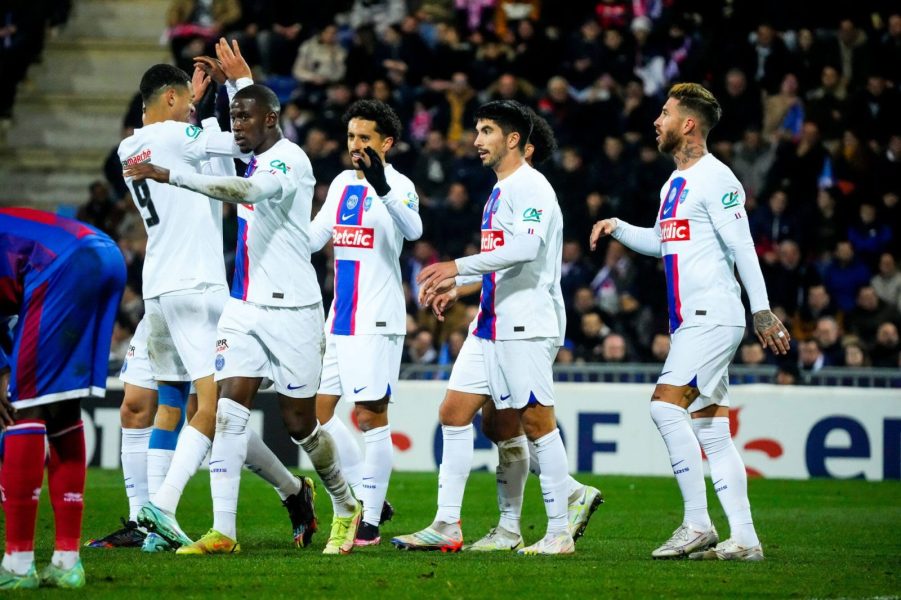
(822, 539)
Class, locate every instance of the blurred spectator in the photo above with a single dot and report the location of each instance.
(193, 25)
(828, 334)
(855, 355)
(575, 271)
(423, 255)
(783, 113)
(660, 346)
(810, 357)
(826, 103)
(827, 225)
(455, 222)
(613, 349)
(868, 314)
(889, 52)
(819, 304)
(787, 374)
(592, 331)
(456, 109)
(849, 51)
(887, 281)
(324, 154)
(433, 168)
(844, 275)
(751, 353)
(766, 58)
(320, 61)
(788, 279)
(583, 55)
(886, 349)
(376, 13)
(869, 236)
(421, 348)
(274, 31)
(798, 164)
(772, 223)
(742, 108)
(615, 276)
(874, 109)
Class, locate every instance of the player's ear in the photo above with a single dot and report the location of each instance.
(387, 144)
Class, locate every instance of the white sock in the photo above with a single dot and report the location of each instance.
(348, 452)
(64, 559)
(511, 473)
(685, 457)
(456, 462)
(263, 461)
(134, 468)
(189, 454)
(158, 463)
(18, 562)
(554, 485)
(730, 481)
(226, 459)
(320, 447)
(574, 488)
(376, 472)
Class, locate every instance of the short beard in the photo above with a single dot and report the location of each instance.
(496, 160)
(669, 143)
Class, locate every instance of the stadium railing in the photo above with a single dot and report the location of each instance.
(648, 373)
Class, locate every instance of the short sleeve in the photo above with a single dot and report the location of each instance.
(533, 205)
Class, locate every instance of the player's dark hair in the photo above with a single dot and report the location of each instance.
(542, 139)
(510, 116)
(698, 100)
(387, 123)
(261, 95)
(159, 77)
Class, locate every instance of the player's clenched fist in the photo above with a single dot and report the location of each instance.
(600, 229)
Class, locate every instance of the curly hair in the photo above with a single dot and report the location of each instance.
(387, 123)
(542, 139)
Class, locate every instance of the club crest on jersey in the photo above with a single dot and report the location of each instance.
(491, 239)
(367, 203)
(675, 230)
(352, 202)
(683, 196)
(353, 237)
(730, 199)
(220, 362)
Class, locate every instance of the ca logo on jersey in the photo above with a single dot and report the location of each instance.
(730, 199)
(192, 131)
(280, 165)
(532, 215)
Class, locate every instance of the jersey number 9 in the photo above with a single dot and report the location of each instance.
(142, 193)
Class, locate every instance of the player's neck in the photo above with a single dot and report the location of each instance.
(268, 142)
(155, 115)
(689, 153)
(509, 165)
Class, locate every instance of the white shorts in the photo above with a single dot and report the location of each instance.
(362, 368)
(699, 356)
(182, 332)
(513, 372)
(136, 366)
(282, 344)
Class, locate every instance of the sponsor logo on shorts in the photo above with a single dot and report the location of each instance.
(220, 362)
(296, 387)
(675, 230)
(504, 398)
(491, 239)
(358, 390)
(353, 237)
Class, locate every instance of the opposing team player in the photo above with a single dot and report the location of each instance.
(702, 234)
(63, 280)
(272, 326)
(516, 457)
(368, 213)
(517, 331)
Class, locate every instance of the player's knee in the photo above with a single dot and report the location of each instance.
(489, 428)
(168, 418)
(135, 413)
(450, 415)
(371, 415)
(537, 422)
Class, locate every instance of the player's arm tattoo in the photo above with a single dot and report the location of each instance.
(764, 319)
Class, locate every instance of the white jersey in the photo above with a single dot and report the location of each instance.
(272, 262)
(369, 294)
(700, 272)
(523, 301)
(184, 228)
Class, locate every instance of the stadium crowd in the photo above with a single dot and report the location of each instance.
(811, 126)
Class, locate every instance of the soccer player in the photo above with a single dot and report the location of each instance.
(517, 331)
(272, 326)
(63, 280)
(702, 234)
(516, 457)
(368, 213)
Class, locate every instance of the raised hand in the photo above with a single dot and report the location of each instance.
(771, 332)
(374, 170)
(600, 229)
(233, 64)
(211, 67)
(199, 82)
(142, 171)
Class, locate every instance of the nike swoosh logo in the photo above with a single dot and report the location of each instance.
(347, 217)
(546, 493)
(358, 390)
(368, 478)
(716, 483)
(665, 373)
(296, 387)
(679, 463)
(213, 462)
(504, 397)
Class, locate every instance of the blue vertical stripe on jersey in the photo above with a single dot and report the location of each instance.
(347, 279)
(350, 207)
(240, 281)
(486, 324)
(671, 201)
(673, 300)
